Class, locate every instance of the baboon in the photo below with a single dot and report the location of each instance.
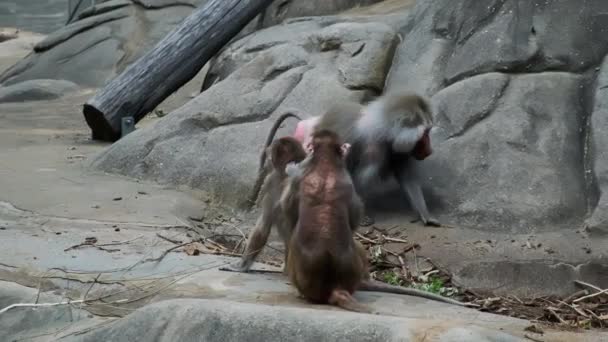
(324, 262)
(387, 137)
(282, 151)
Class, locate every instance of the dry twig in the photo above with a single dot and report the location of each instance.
(575, 295)
(177, 242)
(366, 239)
(574, 308)
(403, 268)
(22, 305)
(392, 239)
(554, 313)
(162, 256)
(584, 284)
(590, 296)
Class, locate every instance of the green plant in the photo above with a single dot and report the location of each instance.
(586, 325)
(435, 285)
(392, 278)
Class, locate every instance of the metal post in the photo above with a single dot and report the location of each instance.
(128, 125)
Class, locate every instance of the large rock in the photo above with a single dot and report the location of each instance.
(511, 149)
(101, 40)
(452, 40)
(512, 84)
(34, 15)
(278, 11)
(596, 168)
(508, 150)
(105, 39)
(204, 320)
(214, 141)
(36, 90)
(281, 10)
(8, 34)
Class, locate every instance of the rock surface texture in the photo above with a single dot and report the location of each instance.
(213, 142)
(102, 41)
(228, 321)
(34, 90)
(516, 87)
(277, 12)
(34, 15)
(50, 205)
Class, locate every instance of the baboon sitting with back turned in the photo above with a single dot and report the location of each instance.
(324, 261)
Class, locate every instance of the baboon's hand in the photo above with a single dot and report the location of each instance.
(235, 267)
(431, 222)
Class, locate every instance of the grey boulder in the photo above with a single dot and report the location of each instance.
(36, 90)
(519, 143)
(510, 81)
(100, 43)
(507, 150)
(213, 142)
(216, 320)
(597, 155)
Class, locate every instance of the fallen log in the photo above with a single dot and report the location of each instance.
(174, 61)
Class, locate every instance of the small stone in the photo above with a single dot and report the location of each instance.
(533, 328)
(117, 199)
(116, 229)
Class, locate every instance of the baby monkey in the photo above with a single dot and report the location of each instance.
(281, 152)
(324, 261)
(269, 183)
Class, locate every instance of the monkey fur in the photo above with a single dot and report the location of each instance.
(287, 157)
(387, 137)
(325, 263)
(262, 169)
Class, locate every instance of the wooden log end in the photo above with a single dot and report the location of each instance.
(100, 127)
